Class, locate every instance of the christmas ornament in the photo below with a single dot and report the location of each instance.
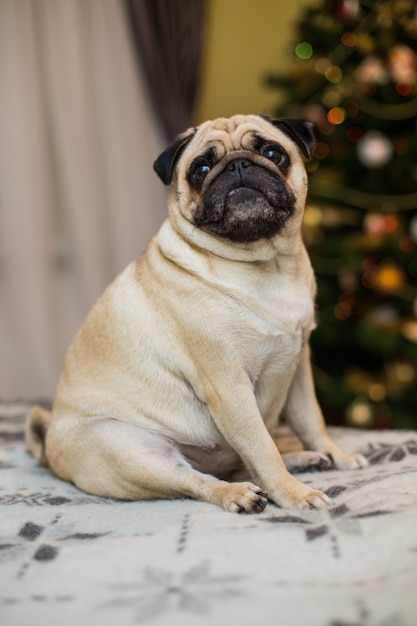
(348, 9)
(374, 149)
(409, 330)
(389, 278)
(377, 392)
(405, 373)
(400, 376)
(380, 224)
(402, 63)
(372, 70)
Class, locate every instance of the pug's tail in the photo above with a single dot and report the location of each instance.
(36, 427)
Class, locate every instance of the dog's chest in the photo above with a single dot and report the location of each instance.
(274, 338)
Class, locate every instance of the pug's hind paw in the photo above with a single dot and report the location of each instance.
(349, 461)
(306, 460)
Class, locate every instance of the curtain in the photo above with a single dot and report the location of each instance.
(78, 197)
(169, 38)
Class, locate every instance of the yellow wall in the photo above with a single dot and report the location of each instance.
(245, 40)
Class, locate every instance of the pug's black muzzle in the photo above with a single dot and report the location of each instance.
(245, 202)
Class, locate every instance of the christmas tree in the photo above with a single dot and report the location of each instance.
(354, 75)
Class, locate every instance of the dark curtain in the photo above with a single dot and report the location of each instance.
(168, 36)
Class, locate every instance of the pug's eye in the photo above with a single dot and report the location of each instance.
(276, 155)
(199, 171)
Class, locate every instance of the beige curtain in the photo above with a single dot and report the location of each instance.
(78, 197)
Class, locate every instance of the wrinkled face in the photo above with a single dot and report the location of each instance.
(240, 178)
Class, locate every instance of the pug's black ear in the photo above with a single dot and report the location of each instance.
(300, 131)
(165, 163)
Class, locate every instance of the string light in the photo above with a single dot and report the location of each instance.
(349, 39)
(336, 115)
(409, 331)
(304, 50)
(360, 413)
(404, 373)
(389, 278)
(376, 224)
(377, 392)
(333, 74)
(374, 149)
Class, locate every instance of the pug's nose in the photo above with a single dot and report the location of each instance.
(238, 164)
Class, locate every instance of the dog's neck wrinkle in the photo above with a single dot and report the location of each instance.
(230, 277)
(185, 233)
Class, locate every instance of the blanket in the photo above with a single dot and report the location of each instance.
(67, 557)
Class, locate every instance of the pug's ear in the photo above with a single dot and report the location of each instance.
(300, 131)
(165, 163)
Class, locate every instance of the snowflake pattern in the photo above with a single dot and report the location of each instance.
(161, 591)
(336, 520)
(389, 453)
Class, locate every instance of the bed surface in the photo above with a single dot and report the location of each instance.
(66, 557)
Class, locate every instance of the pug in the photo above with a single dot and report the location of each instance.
(184, 366)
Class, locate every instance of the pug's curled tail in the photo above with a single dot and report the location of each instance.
(36, 427)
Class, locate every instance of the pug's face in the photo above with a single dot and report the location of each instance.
(240, 178)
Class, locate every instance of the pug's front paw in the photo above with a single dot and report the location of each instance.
(295, 495)
(243, 498)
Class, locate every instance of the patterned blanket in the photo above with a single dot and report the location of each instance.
(66, 557)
